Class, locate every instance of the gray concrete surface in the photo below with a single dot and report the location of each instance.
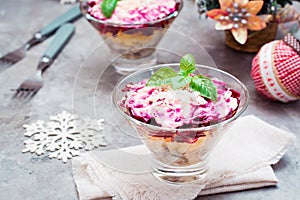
(80, 75)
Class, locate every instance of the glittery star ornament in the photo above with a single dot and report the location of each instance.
(276, 70)
(239, 16)
(63, 136)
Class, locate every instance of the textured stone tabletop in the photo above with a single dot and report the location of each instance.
(80, 81)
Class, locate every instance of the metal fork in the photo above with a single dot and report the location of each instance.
(12, 57)
(32, 85)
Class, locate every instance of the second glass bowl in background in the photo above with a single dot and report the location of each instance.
(132, 45)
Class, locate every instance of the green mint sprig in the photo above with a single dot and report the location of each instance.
(108, 7)
(184, 77)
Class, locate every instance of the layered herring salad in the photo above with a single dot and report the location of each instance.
(132, 28)
(179, 104)
(181, 108)
(133, 11)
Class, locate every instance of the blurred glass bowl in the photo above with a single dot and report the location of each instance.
(132, 45)
(177, 160)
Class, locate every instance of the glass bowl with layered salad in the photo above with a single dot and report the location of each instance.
(180, 111)
(131, 29)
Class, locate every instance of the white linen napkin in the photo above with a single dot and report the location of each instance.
(241, 160)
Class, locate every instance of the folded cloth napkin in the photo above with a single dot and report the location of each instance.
(241, 160)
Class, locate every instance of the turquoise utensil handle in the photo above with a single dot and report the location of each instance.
(70, 15)
(61, 38)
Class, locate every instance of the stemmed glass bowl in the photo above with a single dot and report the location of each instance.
(132, 45)
(175, 160)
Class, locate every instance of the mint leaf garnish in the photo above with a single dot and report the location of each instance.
(108, 7)
(184, 78)
(180, 81)
(205, 87)
(187, 64)
(161, 77)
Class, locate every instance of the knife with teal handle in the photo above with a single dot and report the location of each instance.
(68, 16)
(16, 55)
(71, 15)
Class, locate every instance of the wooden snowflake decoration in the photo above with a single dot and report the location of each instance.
(63, 136)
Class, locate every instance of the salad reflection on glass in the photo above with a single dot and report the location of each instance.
(131, 29)
(180, 111)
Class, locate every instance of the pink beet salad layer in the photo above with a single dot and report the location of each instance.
(182, 108)
(134, 11)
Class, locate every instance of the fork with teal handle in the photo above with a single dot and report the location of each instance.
(32, 85)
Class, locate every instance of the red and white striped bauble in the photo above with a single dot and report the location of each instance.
(276, 71)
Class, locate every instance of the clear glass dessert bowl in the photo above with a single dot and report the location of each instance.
(133, 44)
(180, 155)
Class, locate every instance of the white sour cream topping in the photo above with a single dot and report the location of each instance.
(174, 108)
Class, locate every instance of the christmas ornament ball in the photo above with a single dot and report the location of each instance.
(276, 71)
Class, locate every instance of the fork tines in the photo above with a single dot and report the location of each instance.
(10, 59)
(23, 94)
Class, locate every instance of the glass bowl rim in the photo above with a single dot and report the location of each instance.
(125, 25)
(240, 109)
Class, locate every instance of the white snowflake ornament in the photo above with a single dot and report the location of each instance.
(91, 133)
(63, 136)
(39, 139)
